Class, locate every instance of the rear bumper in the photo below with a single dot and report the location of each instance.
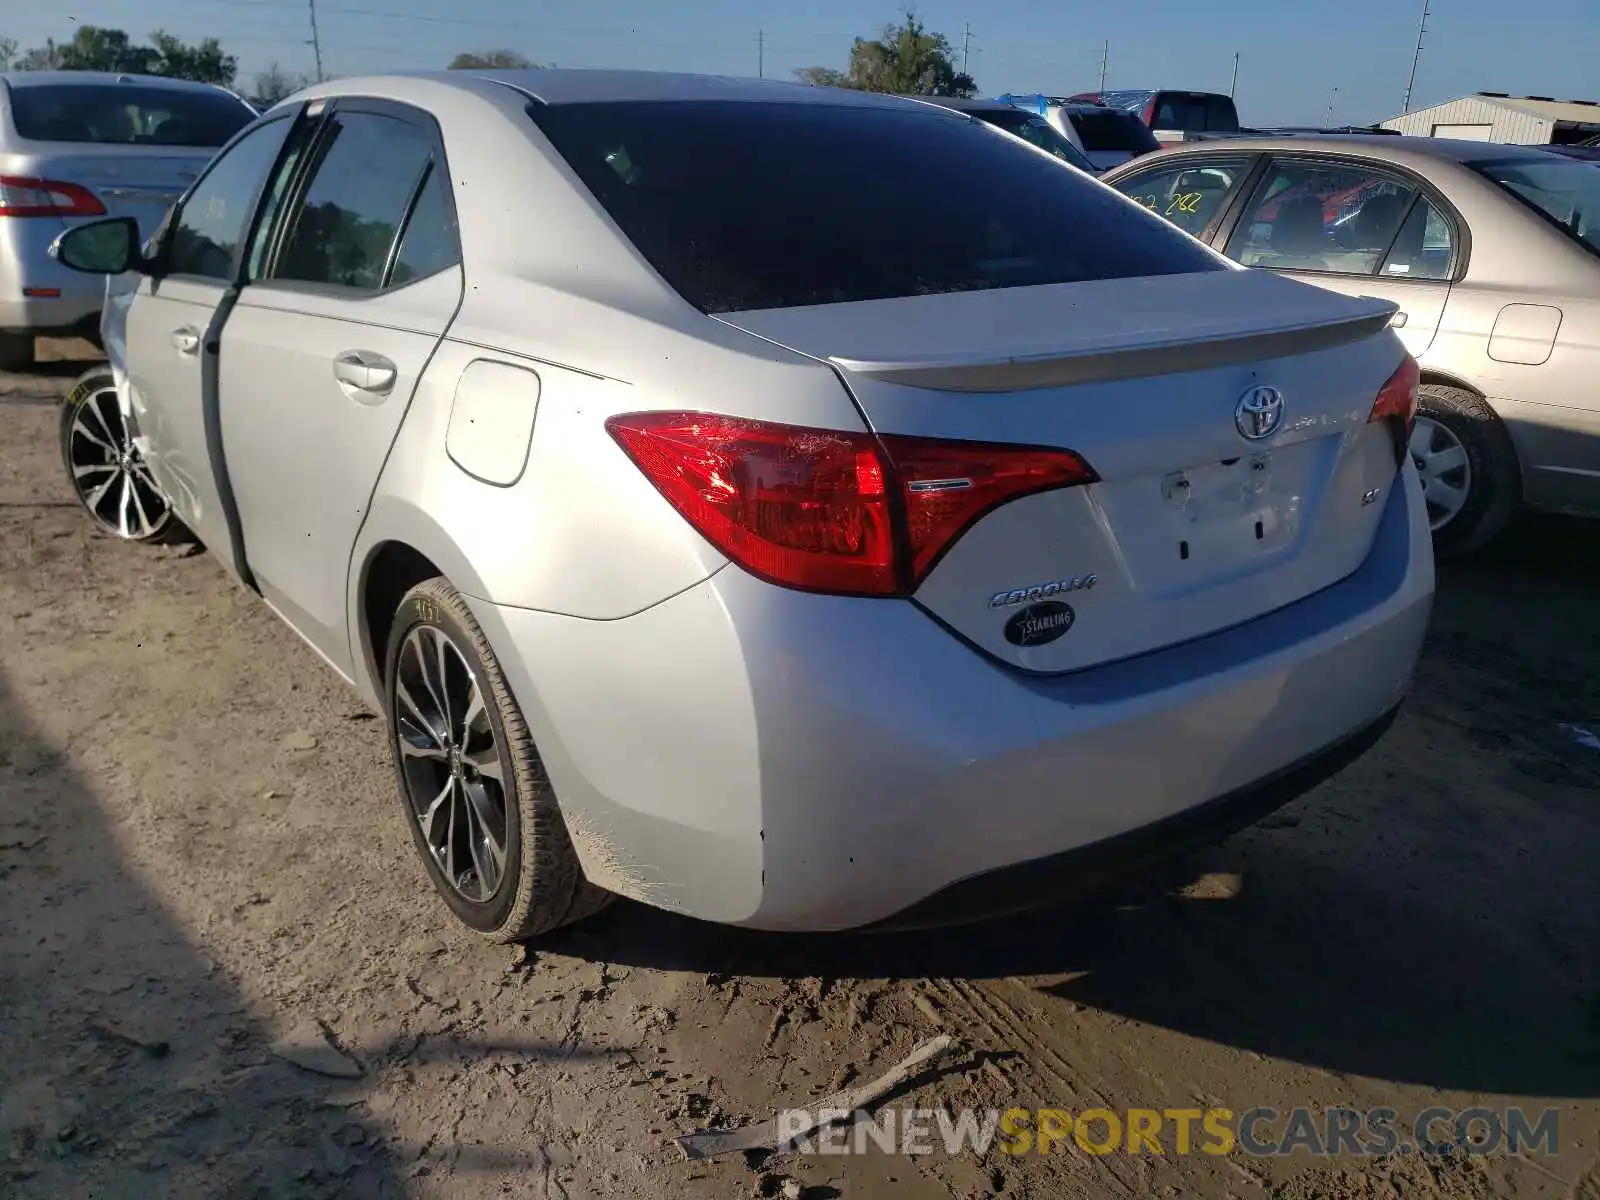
(763, 757)
(26, 266)
(1042, 881)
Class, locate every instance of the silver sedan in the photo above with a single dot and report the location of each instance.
(1492, 254)
(725, 516)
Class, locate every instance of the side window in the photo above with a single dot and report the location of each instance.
(1321, 217)
(429, 243)
(1189, 196)
(365, 172)
(207, 230)
(1425, 248)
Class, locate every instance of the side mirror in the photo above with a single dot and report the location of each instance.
(107, 247)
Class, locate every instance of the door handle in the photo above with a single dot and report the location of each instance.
(366, 372)
(187, 340)
(1397, 321)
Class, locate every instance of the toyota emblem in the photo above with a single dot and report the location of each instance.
(1259, 412)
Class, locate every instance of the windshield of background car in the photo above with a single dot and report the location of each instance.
(1564, 191)
(749, 205)
(126, 114)
(1113, 130)
(1039, 132)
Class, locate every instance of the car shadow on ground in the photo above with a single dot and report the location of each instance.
(131, 1066)
(1403, 921)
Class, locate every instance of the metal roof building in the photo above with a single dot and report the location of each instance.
(1496, 117)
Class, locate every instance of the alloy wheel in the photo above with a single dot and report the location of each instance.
(451, 761)
(110, 475)
(1444, 468)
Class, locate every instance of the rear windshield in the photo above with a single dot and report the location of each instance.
(1196, 112)
(746, 205)
(1038, 131)
(1112, 130)
(1564, 191)
(126, 114)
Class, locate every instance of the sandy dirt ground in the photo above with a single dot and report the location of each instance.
(203, 862)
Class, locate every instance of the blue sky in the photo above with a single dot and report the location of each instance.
(1293, 52)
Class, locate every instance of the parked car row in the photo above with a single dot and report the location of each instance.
(726, 490)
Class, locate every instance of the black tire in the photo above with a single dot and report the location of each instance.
(1495, 487)
(542, 885)
(158, 525)
(16, 351)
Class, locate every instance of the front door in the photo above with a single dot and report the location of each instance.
(1354, 228)
(171, 333)
(322, 351)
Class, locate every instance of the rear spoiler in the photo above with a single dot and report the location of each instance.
(1125, 357)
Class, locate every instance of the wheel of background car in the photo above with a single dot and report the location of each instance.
(1468, 467)
(473, 790)
(16, 351)
(106, 470)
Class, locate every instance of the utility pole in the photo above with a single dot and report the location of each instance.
(761, 54)
(1105, 56)
(1234, 86)
(1422, 28)
(966, 45)
(1333, 97)
(316, 40)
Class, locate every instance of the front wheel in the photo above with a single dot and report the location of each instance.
(475, 795)
(107, 472)
(1468, 468)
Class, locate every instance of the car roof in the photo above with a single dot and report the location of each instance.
(963, 105)
(572, 85)
(1402, 151)
(27, 79)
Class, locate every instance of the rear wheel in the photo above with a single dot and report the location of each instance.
(476, 798)
(1468, 468)
(106, 470)
(16, 351)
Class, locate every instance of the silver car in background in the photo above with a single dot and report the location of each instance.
(1492, 254)
(726, 518)
(77, 145)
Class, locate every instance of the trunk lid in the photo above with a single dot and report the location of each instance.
(1193, 527)
(132, 182)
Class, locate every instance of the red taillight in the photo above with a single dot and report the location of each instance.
(1397, 404)
(25, 196)
(1148, 116)
(830, 511)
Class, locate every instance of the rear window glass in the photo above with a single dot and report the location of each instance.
(126, 115)
(743, 205)
(1039, 132)
(1196, 112)
(1111, 130)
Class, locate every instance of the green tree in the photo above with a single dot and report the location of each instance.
(905, 60)
(8, 53)
(203, 62)
(95, 49)
(501, 59)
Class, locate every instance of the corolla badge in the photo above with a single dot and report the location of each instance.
(1042, 591)
(1259, 412)
(1039, 623)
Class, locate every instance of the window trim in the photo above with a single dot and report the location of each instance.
(1461, 238)
(419, 119)
(164, 234)
(1251, 160)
